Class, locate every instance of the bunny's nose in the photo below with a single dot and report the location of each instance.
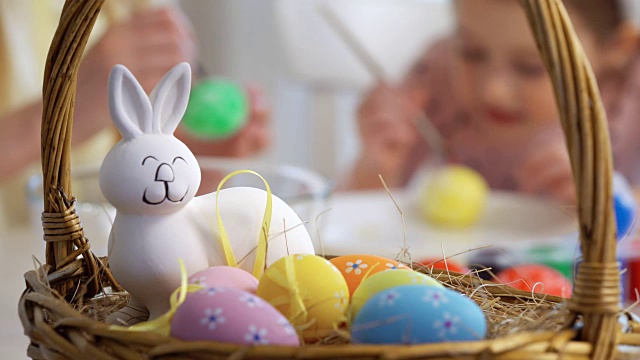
(165, 173)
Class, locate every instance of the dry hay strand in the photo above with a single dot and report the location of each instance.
(507, 310)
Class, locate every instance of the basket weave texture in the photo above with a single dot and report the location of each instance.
(49, 307)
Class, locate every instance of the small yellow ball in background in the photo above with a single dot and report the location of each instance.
(309, 291)
(454, 196)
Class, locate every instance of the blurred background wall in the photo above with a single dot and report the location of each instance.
(312, 80)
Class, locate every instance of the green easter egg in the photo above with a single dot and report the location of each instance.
(217, 109)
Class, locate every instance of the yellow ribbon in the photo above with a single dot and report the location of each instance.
(366, 274)
(298, 312)
(261, 250)
(162, 325)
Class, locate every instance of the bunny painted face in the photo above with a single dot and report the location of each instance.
(149, 171)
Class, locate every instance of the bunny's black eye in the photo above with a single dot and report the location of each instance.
(179, 157)
(149, 157)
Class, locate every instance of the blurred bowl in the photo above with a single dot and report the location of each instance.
(304, 190)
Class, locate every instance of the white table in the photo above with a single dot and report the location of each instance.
(369, 222)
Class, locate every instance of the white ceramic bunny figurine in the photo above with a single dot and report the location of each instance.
(150, 177)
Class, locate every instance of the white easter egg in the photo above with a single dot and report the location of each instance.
(242, 210)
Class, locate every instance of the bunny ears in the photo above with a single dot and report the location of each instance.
(135, 114)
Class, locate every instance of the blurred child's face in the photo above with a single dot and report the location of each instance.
(501, 78)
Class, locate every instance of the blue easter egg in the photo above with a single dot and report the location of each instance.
(624, 216)
(418, 314)
(625, 205)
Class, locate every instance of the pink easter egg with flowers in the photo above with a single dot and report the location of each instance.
(233, 316)
(225, 276)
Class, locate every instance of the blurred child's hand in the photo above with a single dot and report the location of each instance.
(386, 122)
(620, 94)
(254, 137)
(546, 171)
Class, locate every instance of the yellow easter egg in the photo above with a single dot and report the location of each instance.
(454, 196)
(309, 291)
(386, 280)
(355, 268)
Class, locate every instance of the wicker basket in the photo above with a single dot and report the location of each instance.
(73, 275)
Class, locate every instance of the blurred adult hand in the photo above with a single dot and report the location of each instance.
(149, 43)
(253, 138)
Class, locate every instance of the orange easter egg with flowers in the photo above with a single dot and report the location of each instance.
(356, 268)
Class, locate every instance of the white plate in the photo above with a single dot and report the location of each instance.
(369, 222)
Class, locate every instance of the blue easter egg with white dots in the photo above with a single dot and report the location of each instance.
(418, 314)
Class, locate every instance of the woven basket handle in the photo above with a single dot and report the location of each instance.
(62, 228)
(597, 284)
